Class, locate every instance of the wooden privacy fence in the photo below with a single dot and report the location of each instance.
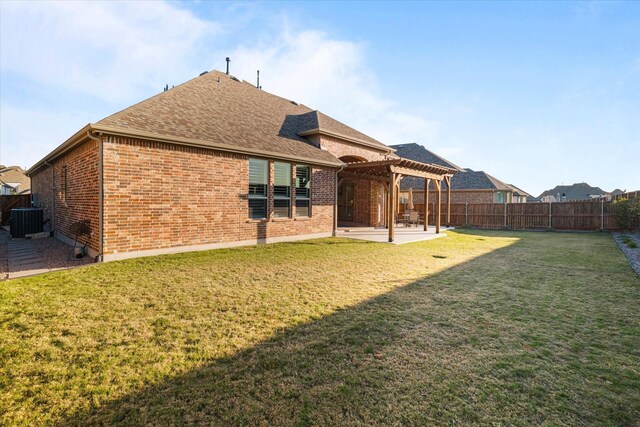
(10, 202)
(585, 215)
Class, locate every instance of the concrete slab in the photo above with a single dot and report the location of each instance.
(24, 259)
(28, 257)
(381, 235)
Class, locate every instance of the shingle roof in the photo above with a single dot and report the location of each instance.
(417, 152)
(216, 107)
(12, 175)
(465, 179)
(474, 180)
(579, 191)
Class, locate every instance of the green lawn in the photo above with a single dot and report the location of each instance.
(487, 328)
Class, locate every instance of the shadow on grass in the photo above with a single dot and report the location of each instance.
(466, 345)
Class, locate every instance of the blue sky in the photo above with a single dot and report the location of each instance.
(535, 93)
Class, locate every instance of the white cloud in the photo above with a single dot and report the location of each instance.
(112, 50)
(330, 75)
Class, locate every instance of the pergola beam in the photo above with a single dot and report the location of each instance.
(413, 172)
(359, 175)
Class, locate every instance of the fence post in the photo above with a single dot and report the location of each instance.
(549, 214)
(602, 215)
(466, 213)
(505, 214)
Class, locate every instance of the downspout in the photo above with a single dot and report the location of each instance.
(100, 194)
(335, 203)
(53, 196)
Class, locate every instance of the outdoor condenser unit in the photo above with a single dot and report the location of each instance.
(25, 221)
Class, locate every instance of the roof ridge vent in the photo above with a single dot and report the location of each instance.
(234, 78)
(294, 102)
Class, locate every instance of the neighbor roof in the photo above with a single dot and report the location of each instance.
(13, 176)
(579, 191)
(465, 180)
(419, 153)
(218, 111)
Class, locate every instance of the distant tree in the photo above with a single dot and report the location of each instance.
(624, 211)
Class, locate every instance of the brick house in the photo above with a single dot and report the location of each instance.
(467, 186)
(216, 162)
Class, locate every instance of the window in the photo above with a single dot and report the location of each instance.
(303, 191)
(258, 179)
(281, 190)
(499, 197)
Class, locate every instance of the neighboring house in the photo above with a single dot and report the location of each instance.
(575, 192)
(13, 180)
(467, 186)
(519, 195)
(250, 167)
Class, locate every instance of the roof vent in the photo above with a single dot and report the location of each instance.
(235, 78)
(294, 102)
(203, 73)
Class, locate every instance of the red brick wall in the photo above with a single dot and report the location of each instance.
(159, 195)
(340, 148)
(81, 199)
(368, 202)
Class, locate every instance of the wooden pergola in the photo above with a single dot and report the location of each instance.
(391, 171)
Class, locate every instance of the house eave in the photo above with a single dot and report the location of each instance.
(82, 136)
(199, 143)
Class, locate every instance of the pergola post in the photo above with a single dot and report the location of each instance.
(426, 203)
(386, 205)
(392, 205)
(448, 181)
(439, 202)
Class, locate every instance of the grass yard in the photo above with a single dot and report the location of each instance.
(488, 328)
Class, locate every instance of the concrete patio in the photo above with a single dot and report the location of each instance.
(381, 235)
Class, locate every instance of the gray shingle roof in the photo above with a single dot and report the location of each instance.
(474, 180)
(216, 107)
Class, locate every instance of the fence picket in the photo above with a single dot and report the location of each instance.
(581, 215)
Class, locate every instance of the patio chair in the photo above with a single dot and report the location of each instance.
(414, 218)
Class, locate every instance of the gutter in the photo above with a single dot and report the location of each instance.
(100, 193)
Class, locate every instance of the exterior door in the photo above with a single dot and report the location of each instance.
(345, 201)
